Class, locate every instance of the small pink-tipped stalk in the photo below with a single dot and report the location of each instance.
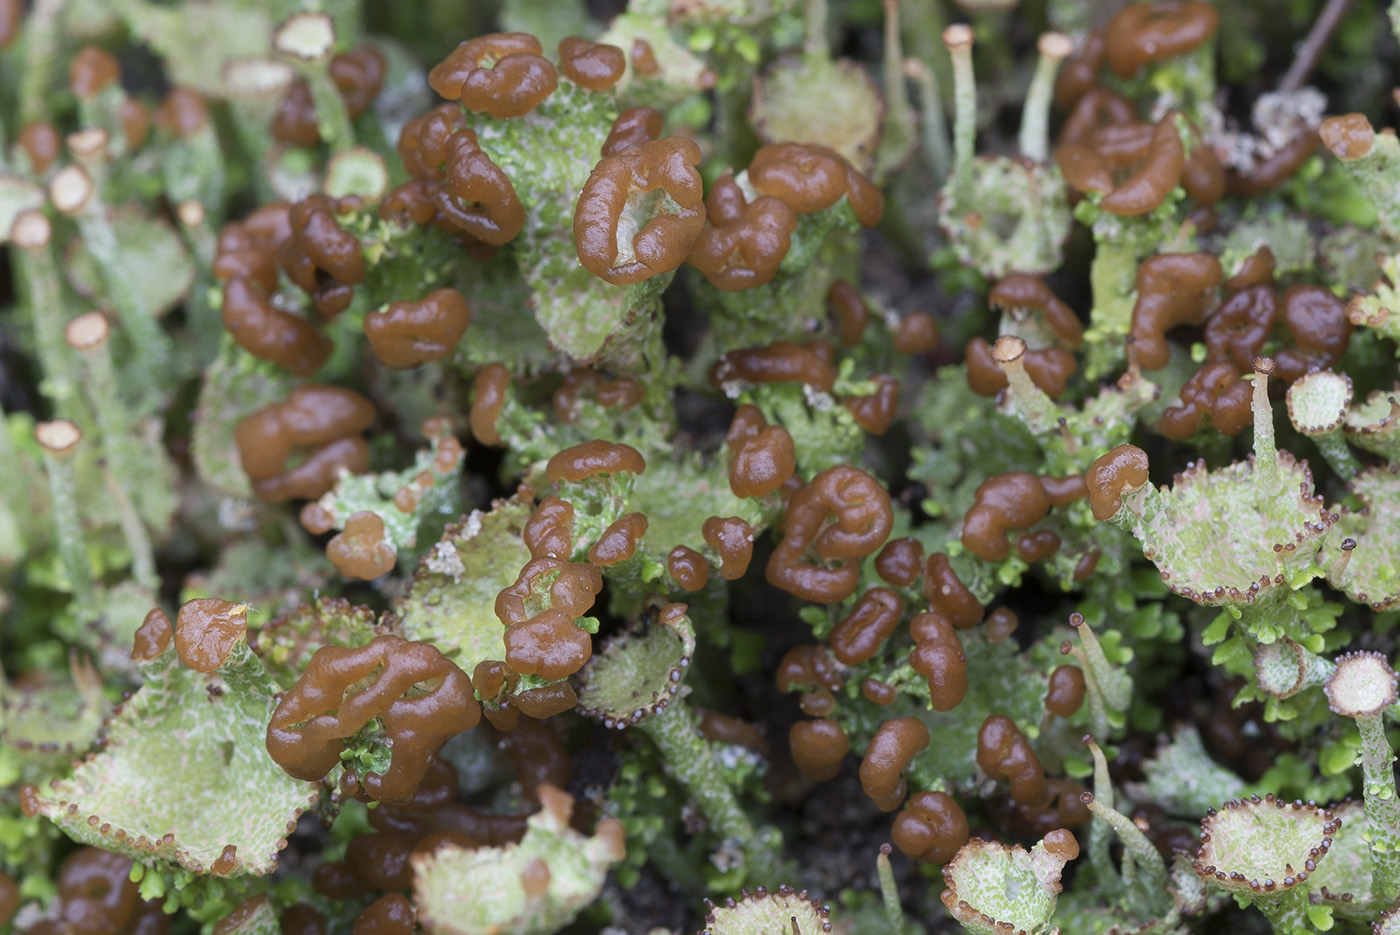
(1034, 141)
(1037, 409)
(58, 440)
(1265, 454)
(958, 39)
(937, 148)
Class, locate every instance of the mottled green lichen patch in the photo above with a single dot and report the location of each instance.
(452, 600)
(56, 720)
(409, 500)
(548, 155)
(184, 775)
(1375, 424)
(255, 916)
(638, 672)
(1343, 880)
(1381, 309)
(234, 385)
(1319, 401)
(1015, 217)
(803, 99)
(532, 888)
(1226, 536)
(1372, 573)
(769, 913)
(153, 254)
(1183, 779)
(16, 197)
(678, 496)
(1259, 846)
(994, 889)
(287, 644)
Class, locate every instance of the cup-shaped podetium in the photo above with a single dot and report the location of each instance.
(1264, 850)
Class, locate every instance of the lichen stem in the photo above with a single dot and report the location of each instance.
(934, 124)
(119, 443)
(814, 41)
(958, 39)
(1265, 454)
(1382, 805)
(1338, 453)
(68, 533)
(40, 56)
(688, 761)
(1288, 912)
(332, 119)
(150, 344)
(889, 892)
(1034, 141)
(43, 293)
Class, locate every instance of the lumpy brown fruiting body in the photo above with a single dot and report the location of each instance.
(206, 631)
(517, 78)
(406, 334)
(947, 595)
(332, 700)
(931, 829)
(861, 634)
(818, 748)
(153, 637)
(594, 457)
(1004, 753)
(1066, 691)
(864, 518)
(1111, 475)
(688, 567)
(938, 656)
(763, 463)
(891, 750)
(617, 185)
(732, 538)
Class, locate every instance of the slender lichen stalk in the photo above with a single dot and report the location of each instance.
(1265, 454)
(41, 39)
(814, 41)
(689, 762)
(958, 39)
(1363, 688)
(58, 440)
(75, 194)
(1099, 857)
(938, 151)
(1035, 118)
(1144, 871)
(1032, 404)
(309, 39)
(889, 890)
(87, 334)
(1108, 688)
(39, 282)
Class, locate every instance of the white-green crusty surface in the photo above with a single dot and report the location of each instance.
(532, 888)
(185, 773)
